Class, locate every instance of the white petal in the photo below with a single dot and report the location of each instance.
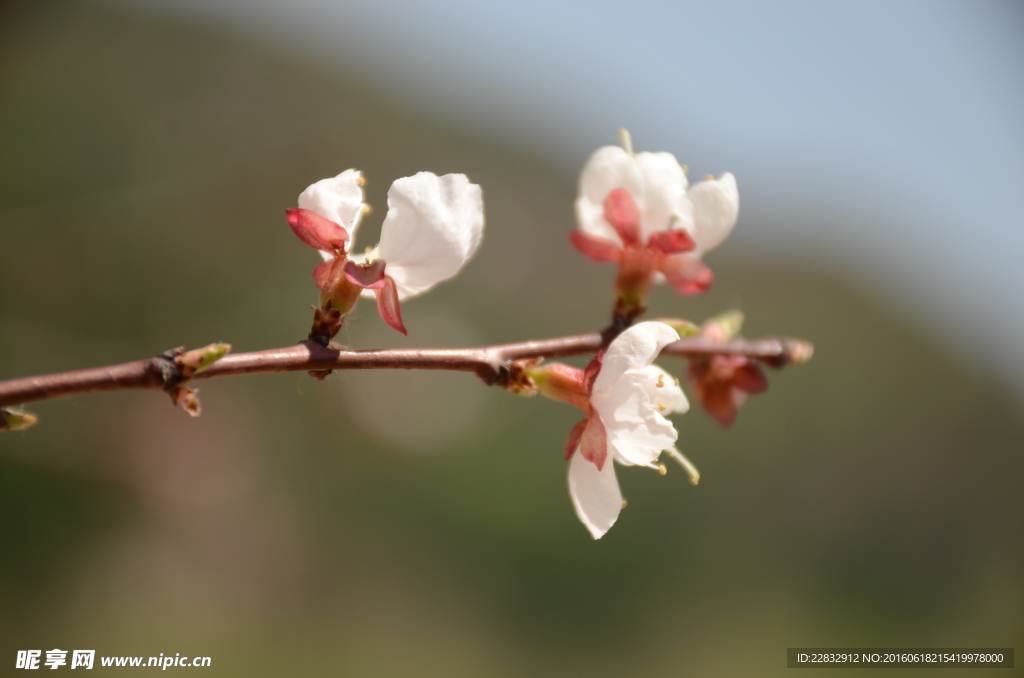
(665, 201)
(637, 432)
(634, 349)
(595, 494)
(339, 199)
(716, 204)
(655, 180)
(433, 227)
(668, 394)
(608, 168)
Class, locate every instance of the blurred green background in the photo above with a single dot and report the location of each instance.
(419, 524)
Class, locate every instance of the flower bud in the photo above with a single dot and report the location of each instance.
(187, 398)
(195, 361)
(798, 351)
(685, 328)
(16, 419)
(723, 327)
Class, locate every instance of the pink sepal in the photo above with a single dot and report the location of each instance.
(574, 438)
(388, 306)
(674, 241)
(750, 378)
(316, 231)
(368, 276)
(621, 212)
(722, 383)
(594, 442)
(327, 272)
(594, 247)
(688, 274)
(720, 401)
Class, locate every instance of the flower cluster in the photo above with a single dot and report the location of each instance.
(636, 209)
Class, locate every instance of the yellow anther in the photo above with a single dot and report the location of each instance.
(662, 469)
(661, 381)
(677, 382)
(367, 209)
(709, 177)
(624, 503)
(661, 407)
(361, 180)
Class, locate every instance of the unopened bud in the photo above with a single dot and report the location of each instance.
(516, 377)
(16, 419)
(798, 351)
(188, 399)
(684, 327)
(724, 326)
(193, 362)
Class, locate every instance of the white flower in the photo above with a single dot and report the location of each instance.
(707, 211)
(655, 180)
(433, 227)
(658, 202)
(629, 400)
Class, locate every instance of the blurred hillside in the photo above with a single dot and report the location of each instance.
(419, 524)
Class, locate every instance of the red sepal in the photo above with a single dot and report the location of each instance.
(574, 438)
(388, 306)
(749, 377)
(594, 442)
(368, 276)
(688, 274)
(621, 212)
(722, 383)
(327, 272)
(674, 241)
(719, 400)
(316, 231)
(594, 247)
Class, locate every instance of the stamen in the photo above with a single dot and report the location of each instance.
(626, 140)
(687, 465)
(661, 381)
(662, 469)
(676, 381)
(624, 503)
(661, 407)
(358, 218)
(361, 180)
(367, 208)
(709, 177)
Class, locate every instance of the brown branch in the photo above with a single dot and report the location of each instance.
(490, 363)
